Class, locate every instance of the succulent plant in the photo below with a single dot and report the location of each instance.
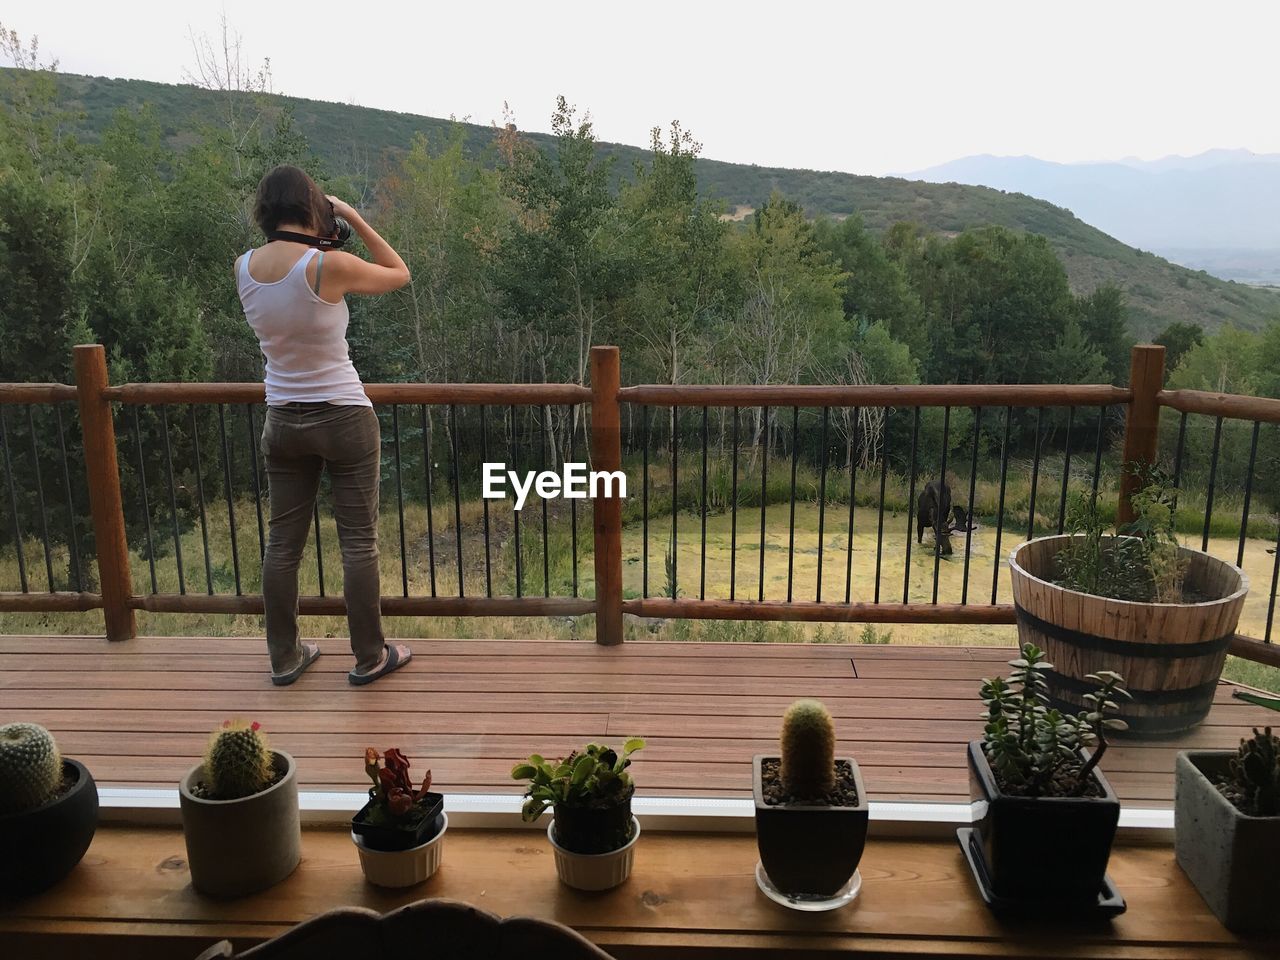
(396, 800)
(1034, 749)
(808, 750)
(238, 762)
(30, 767)
(593, 775)
(1254, 783)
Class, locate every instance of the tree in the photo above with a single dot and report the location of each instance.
(1178, 339)
(1102, 320)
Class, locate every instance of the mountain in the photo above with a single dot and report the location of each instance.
(350, 137)
(1219, 208)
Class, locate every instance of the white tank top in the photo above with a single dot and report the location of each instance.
(303, 338)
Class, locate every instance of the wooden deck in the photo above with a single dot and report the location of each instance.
(138, 712)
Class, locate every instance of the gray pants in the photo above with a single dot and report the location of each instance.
(298, 441)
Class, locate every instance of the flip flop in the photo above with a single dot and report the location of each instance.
(394, 661)
(310, 651)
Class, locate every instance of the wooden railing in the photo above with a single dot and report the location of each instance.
(605, 401)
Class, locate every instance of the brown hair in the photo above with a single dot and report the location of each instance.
(287, 194)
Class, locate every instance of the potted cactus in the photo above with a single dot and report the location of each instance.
(593, 832)
(48, 810)
(1045, 816)
(1227, 823)
(811, 814)
(240, 813)
(400, 831)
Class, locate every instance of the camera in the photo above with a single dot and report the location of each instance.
(341, 229)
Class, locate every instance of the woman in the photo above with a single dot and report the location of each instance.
(317, 413)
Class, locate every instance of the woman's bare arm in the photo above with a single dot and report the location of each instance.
(345, 273)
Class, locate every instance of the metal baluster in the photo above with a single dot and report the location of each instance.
(764, 486)
(1031, 522)
(44, 514)
(945, 521)
(13, 502)
(702, 568)
(675, 501)
(1213, 477)
(795, 462)
(315, 512)
(573, 504)
(973, 489)
(644, 512)
(853, 496)
(822, 500)
(204, 522)
(173, 497)
(257, 481)
(72, 544)
(1066, 473)
(513, 451)
(404, 550)
(1271, 595)
(146, 505)
(544, 414)
(733, 521)
(1177, 458)
(884, 477)
(457, 499)
(1248, 492)
(911, 503)
(484, 457)
(1097, 454)
(427, 467)
(231, 504)
(1004, 474)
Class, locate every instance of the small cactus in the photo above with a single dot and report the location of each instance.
(808, 751)
(30, 767)
(238, 762)
(1254, 785)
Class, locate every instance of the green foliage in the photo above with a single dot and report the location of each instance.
(871, 635)
(238, 761)
(595, 776)
(1034, 749)
(1178, 339)
(1254, 783)
(30, 767)
(808, 750)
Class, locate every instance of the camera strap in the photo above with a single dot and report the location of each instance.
(324, 243)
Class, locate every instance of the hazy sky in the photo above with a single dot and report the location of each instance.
(861, 87)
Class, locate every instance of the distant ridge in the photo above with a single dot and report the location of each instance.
(1158, 292)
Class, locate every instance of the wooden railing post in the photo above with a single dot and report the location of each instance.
(606, 455)
(104, 491)
(1142, 428)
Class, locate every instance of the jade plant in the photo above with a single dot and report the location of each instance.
(395, 801)
(238, 762)
(808, 748)
(1033, 748)
(1253, 784)
(30, 767)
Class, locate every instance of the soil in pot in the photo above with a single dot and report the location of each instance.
(845, 793)
(596, 827)
(43, 845)
(391, 836)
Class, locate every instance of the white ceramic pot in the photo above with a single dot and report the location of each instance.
(402, 868)
(594, 871)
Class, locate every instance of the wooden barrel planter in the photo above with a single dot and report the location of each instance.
(1170, 654)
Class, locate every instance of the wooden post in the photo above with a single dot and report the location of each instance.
(104, 491)
(606, 454)
(1142, 428)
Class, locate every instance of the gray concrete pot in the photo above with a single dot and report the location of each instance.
(1229, 857)
(238, 847)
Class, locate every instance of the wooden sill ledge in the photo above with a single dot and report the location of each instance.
(691, 895)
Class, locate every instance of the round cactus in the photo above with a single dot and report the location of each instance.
(30, 767)
(238, 762)
(808, 750)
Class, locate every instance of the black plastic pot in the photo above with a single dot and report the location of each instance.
(41, 846)
(1041, 848)
(809, 849)
(379, 837)
(595, 829)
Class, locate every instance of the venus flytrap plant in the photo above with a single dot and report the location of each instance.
(594, 776)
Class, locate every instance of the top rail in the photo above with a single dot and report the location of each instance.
(1231, 406)
(36, 393)
(465, 394)
(877, 395)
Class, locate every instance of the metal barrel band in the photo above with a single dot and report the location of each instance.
(1089, 641)
(1201, 693)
